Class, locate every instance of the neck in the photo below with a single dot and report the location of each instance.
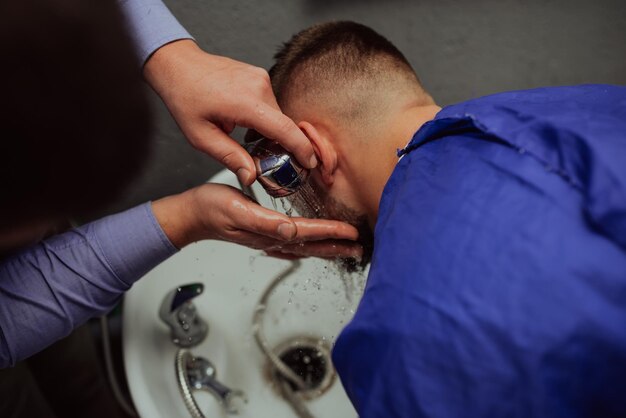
(382, 156)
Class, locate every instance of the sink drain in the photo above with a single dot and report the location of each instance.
(310, 359)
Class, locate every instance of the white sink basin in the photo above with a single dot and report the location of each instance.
(311, 302)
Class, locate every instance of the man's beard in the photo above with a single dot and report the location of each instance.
(313, 202)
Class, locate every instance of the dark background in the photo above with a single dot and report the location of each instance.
(460, 49)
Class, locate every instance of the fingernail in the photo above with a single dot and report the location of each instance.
(313, 161)
(243, 175)
(287, 231)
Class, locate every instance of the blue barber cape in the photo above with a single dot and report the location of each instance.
(498, 282)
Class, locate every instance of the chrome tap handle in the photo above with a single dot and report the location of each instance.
(179, 313)
(198, 373)
(203, 376)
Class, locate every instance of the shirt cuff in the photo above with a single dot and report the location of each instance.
(132, 242)
(151, 26)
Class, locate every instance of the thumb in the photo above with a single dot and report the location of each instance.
(266, 222)
(272, 123)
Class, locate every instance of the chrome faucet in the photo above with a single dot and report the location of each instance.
(187, 329)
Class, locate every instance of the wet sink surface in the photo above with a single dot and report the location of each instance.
(312, 302)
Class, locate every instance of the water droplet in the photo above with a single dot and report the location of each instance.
(314, 308)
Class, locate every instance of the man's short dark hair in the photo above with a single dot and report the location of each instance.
(329, 54)
(74, 115)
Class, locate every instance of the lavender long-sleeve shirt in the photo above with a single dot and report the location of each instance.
(151, 25)
(49, 289)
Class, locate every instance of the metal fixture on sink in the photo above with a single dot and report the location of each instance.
(277, 171)
(187, 329)
(193, 373)
(198, 373)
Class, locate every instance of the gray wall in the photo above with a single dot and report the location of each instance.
(460, 49)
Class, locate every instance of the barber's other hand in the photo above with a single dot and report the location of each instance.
(209, 95)
(215, 211)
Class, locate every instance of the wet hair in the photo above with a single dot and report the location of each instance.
(335, 60)
(74, 114)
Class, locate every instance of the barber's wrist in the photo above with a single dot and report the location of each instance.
(177, 218)
(161, 68)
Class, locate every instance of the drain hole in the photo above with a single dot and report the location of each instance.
(307, 362)
(310, 359)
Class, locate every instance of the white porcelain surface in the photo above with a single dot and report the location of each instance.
(312, 302)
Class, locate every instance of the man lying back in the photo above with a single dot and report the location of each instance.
(498, 279)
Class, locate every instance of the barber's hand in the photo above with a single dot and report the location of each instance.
(215, 211)
(209, 95)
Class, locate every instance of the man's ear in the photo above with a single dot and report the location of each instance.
(324, 149)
